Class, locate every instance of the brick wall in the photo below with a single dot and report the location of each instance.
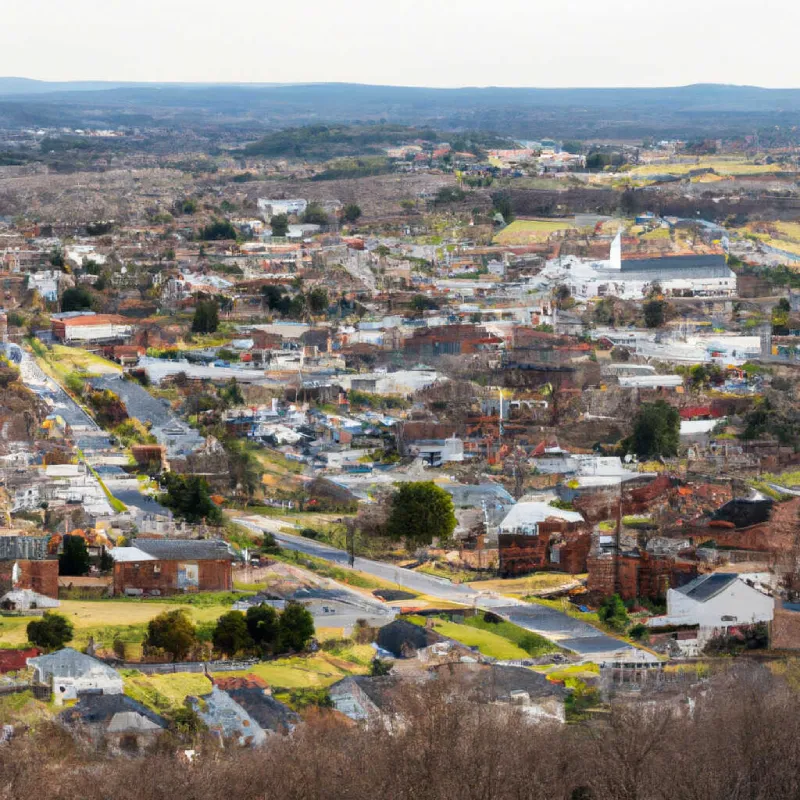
(162, 576)
(40, 576)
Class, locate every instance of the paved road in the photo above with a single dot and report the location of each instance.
(570, 633)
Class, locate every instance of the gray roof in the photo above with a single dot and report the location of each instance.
(491, 682)
(193, 549)
(69, 663)
(99, 708)
(705, 587)
(269, 713)
(665, 272)
(27, 548)
(674, 263)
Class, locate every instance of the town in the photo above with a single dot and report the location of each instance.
(317, 437)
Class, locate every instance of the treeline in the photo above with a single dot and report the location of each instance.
(740, 740)
(330, 141)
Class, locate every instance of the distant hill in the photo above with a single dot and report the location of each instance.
(697, 110)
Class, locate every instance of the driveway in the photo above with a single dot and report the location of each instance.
(573, 634)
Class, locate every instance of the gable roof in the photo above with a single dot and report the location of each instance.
(704, 587)
(269, 713)
(69, 663)
(194, 549)
(402, 634)
(531, 513)
(102, 708)
(495, 681)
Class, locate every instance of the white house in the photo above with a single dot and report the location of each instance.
(716, 601)
(272, 208)
(70, 672)
(524, 518)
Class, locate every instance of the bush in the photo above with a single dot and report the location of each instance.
(613, 613)
(640, 632)
(173, 632)
(231, 634)
(51, 632)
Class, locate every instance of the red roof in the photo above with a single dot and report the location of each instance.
(15, 660)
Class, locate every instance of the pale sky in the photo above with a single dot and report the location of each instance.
(410, 42)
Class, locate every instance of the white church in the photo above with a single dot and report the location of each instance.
(696, 275)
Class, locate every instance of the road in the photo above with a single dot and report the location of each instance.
(573, 634)
(92, 440)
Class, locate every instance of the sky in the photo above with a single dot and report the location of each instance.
(411, 42)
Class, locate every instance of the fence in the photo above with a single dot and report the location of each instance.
(39, 691)
(188, 666)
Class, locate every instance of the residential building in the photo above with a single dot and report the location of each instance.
(71, 673)
(172, 566)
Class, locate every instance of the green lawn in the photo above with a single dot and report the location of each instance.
(488, 643)
(522, 231)
(532, 643)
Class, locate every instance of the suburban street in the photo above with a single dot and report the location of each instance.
(580, 637)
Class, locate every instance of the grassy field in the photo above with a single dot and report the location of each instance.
(64, 360)
(528, 585)
(723, 166)
(106, 620)
(780, 235)
(488, 643)
(525, 231)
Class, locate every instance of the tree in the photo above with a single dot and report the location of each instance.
(503, 205)
(378, 667)
(74, 560)
(217, 230)
(420, 303)
(315, 215)
(173, 632)
(76, 298)
(295, 628)
(420, 512)
(51, 632)
(206, 317)
(612, 611)
(262, 626)
(351, 213)
(231, 635)
(188, 496)
(317, 300)
(656, 431)
(279, 224)
(655, 313)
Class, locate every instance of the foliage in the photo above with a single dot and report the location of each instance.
(75, 558)
(231, 634)
(534, 644)
(613, 613)
(188, 496)
(504, 205)
(639, 632)
(295, 628)
(77, 298)
(51, 632)
(420, 303)
(262, 627)
(420, 512)
(317, 300)
(217, 230)
(315, 215)
(173, 632)
(279, 224)
(351, 213)
(206, 317)
(656, 431)
(654, 313)
(378, 668)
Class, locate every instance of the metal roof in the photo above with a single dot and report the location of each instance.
(705, 587)
(193, 549)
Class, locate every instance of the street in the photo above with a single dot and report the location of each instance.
(572, 634)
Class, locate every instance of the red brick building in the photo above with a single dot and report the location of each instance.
(26, 564)
(172, 566)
